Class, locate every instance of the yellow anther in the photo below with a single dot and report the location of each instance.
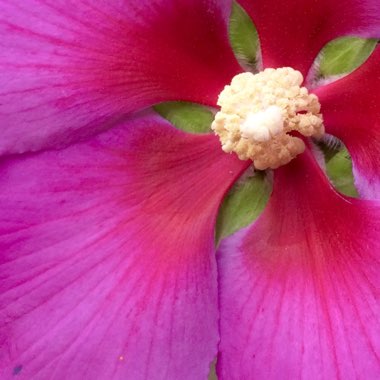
(258, 112)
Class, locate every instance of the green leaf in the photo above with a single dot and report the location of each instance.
(344, 55)
(339, 169)
(243, 36)
(242, 205)
(189, 117)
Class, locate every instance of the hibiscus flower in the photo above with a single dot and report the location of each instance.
(108, 267)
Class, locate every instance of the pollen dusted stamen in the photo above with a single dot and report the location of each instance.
(258, 111)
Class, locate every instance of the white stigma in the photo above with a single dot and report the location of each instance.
(258, 112)
(263, 125)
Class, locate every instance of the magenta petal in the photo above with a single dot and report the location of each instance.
(292, 32)
(351, 111)
(107, 266)
(300, 288)
(70, 69)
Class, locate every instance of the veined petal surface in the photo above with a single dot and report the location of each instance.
(70, 69)
(292, 32)
(107, 266)
(300, 288)
(351, 111)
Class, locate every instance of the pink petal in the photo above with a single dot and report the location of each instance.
(107, 267)
(300, 288)
(292, 32)
(350, 108)
(70, 69)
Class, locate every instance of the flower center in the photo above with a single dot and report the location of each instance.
(258, 112)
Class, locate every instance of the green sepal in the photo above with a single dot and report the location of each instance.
(339, 170)
(188, 117)
(344, 55)
(243, 36)
(242, 205)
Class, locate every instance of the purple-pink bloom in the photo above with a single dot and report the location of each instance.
(107, 258)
